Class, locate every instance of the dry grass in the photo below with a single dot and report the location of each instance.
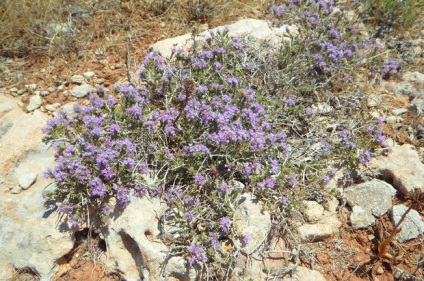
(53, 28)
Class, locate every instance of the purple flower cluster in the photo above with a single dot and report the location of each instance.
(329, 44)
(197, 255)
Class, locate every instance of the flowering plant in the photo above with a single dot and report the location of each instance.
(199, 132)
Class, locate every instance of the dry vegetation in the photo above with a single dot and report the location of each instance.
(63, 27)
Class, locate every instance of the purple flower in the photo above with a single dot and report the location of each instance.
(292, 180)
(246, 238)
(96, 101)
(200, 64)
(197, 254)
(380, 138)
(129, 162)
(188, 216)
(218, 66)
(207, 54)
(122, 196)
(199, 179)
(284, 201)
(214, 240)
(365, 157)
(128, 144)
(218, 50)
(223, 187)
(326, 179)
(379, 121)
(225, 224)
(69, 150)
(74, 223)
(278, 10)
(97, 187)
(170, 130)
(235, 44)
(233, 81)
(201, 89)
(290, 101)
(334, 33)
(67, 209)
(275, 169)
(114, 129)
(311, 111)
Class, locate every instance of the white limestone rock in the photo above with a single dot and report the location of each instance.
(402, 167)
(361, 218)
(412, 226)
(375, 196)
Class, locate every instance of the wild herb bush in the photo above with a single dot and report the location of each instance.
(204, 128)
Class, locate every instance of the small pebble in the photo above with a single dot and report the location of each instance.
(389, 143)
(373, 101)
(77, 79)
(44, 93)
(399, 111)
(380, 270)
(31, 87)
(13, 90)
(25, 181)
(52, 107)
(375, 114)
(397, 274)
(391, 119)
(52, 89)
(88, 75)
(16, 190)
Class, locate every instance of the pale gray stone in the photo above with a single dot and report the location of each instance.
(402, 167)
(77, 79)
(31, 87)
(135, 249)
(88, 75)
(29, 237)
(313, 211)
(399, 111)
(323, 108)
(258, 30)
(375, 114)
(323, 227)
(316, 232)
(82, 91)
(412, 226)
(412, 85)
(389, 142)
(361, 218)
(251, 219)
(44, 93)
(374, 196)
(34, 103)
(26, 180)
(373, 101)
(52, 89)
(391, 119)
(52, 107)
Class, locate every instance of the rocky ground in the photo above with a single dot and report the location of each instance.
(338, 239)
